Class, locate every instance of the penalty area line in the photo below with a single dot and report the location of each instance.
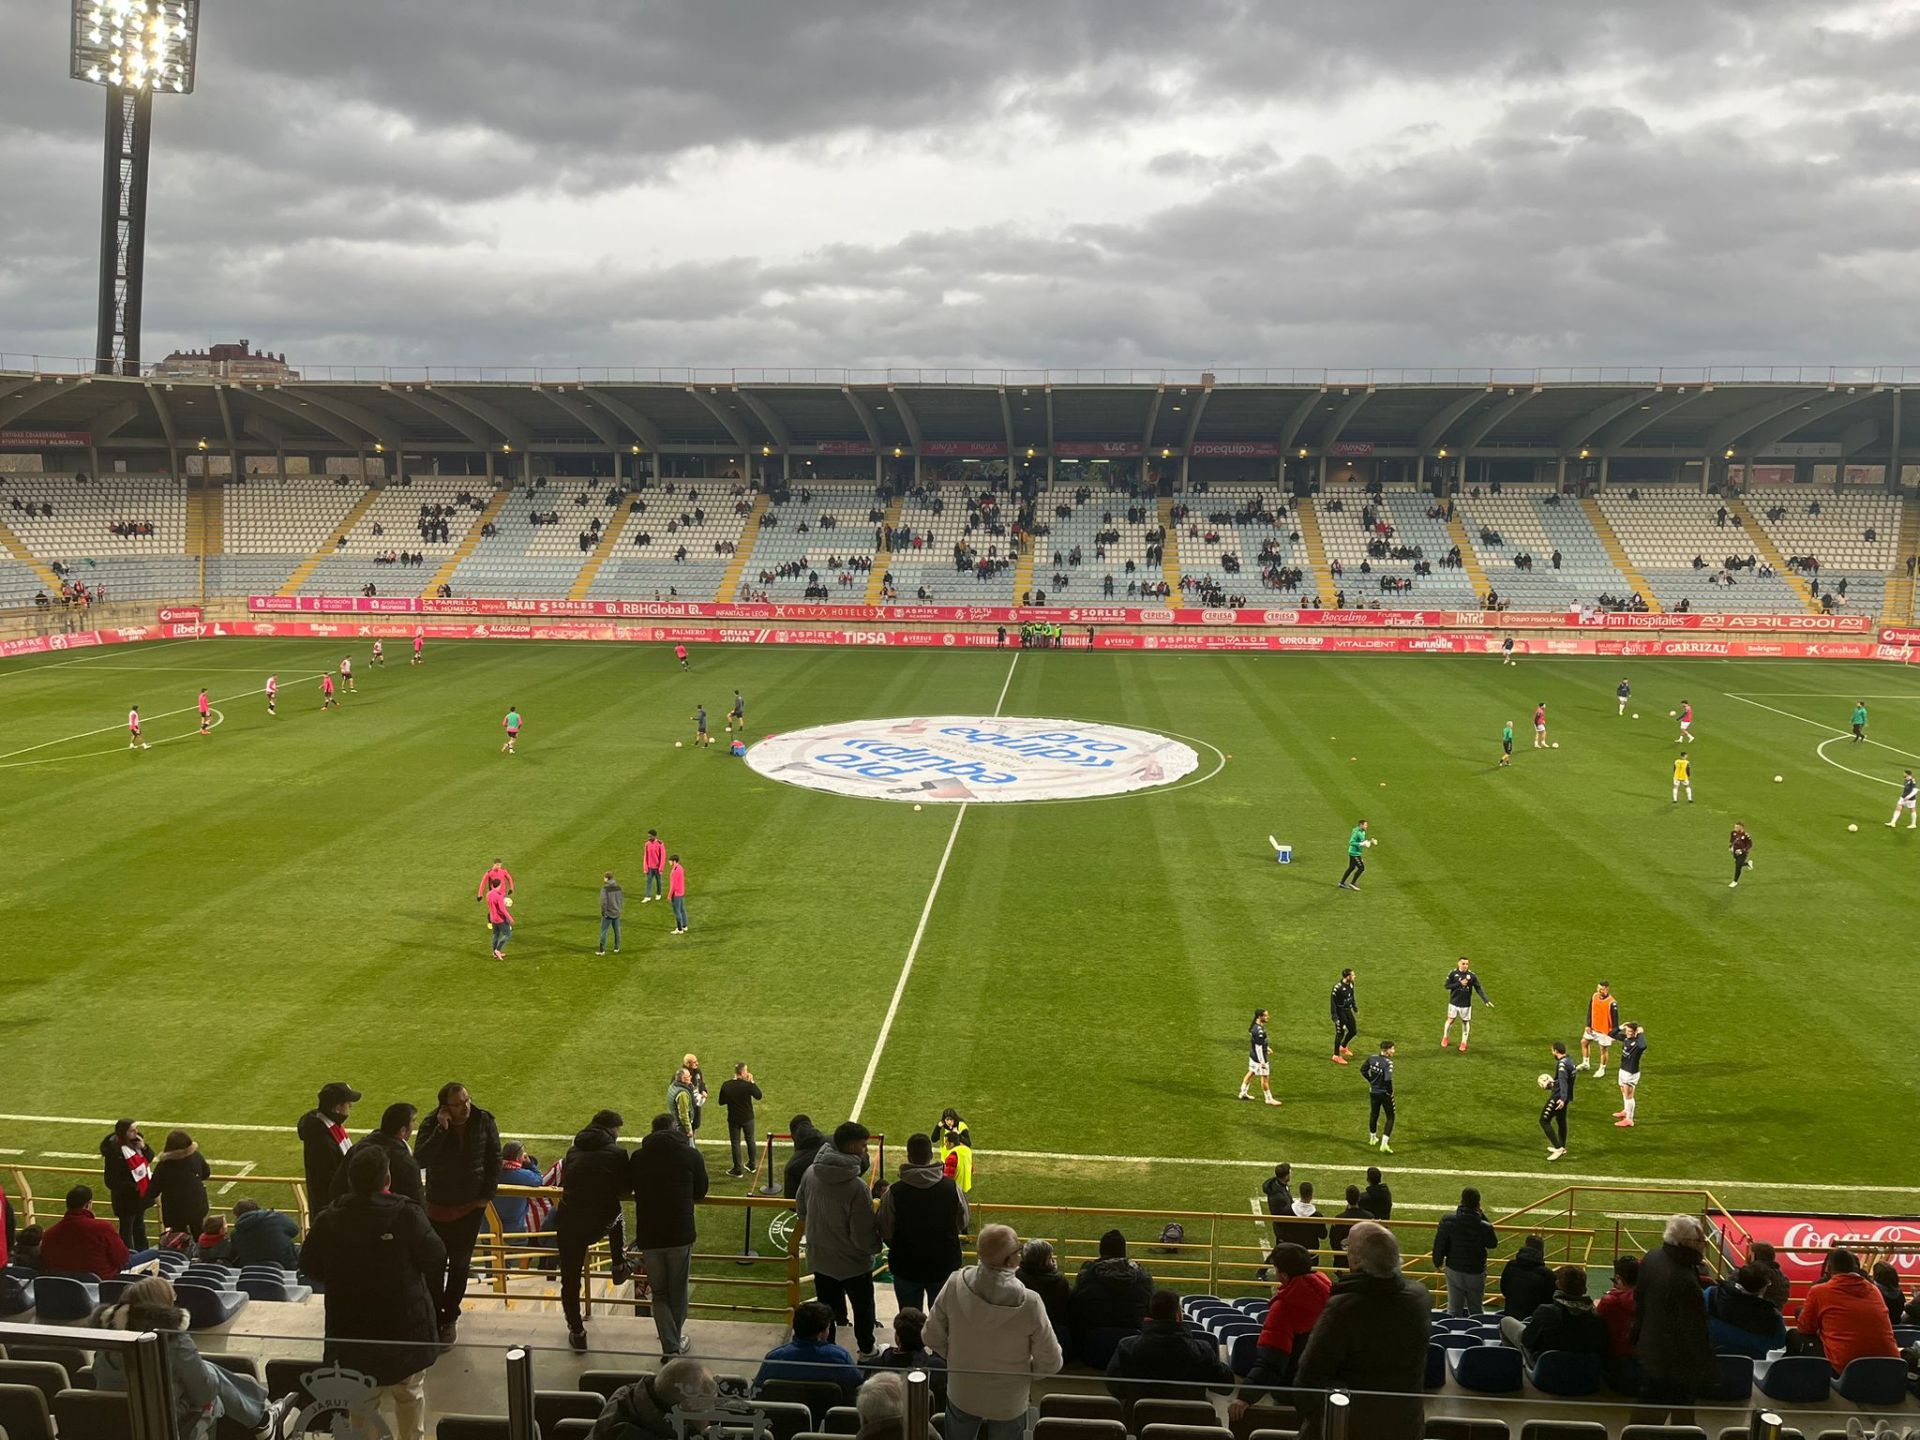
(920, 930)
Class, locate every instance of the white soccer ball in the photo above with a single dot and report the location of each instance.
(1636, 714)
(1853, 829)
(1672, 713)
(1373, 842)
(1546, 1081)
(1556, 744)
(508, 902)
(916, 807)
(678, 743)
(1778, 778)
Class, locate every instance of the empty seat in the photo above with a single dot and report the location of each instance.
(95, 1414)
(570, 1430)
(60, 1298)
(1566, 1430)
(1173, 1412)
(1242, 1353)
(1797, 1379)
(256, 1287)
(70, 1358)
(819, 1396)
(1663, 1432)
(1563, 1372)
(1736, 1381)
(845, 1420)
(1452, 1427)
(1436, 1378)
(207, 1308)
(605, 1382)
(1459, 1339)
(785, 1418)
(1874, 1380)
(471, 1427)
(1058, 1406)
(1185, 1432)
(1488, 1369)
(45, 1376)
(550, 1407)
(1061, 1427)
(25, 1413)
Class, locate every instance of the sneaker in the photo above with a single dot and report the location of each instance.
(1244, 1095)
(1619, 1114)
(1446, 1042)
(1338, 1059)
(1272, 1101)
(1373, 1139)
(1584, 1065)
(449, 1331)
(646, 899)
(735, 1173)
(1623, 1124)
(1601, 1073)
(1557, 1152)
(1385, 1149)
(577, 1339)
(1463, 1047)
(276, 1416)
(599, 952)
(619, 1275)
(1733, 884)
(1347, 1052)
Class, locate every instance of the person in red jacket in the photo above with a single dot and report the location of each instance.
(1847, 1311)
(1296, 1305)
(80, 1243)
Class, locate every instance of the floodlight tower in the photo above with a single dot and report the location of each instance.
(135, 48)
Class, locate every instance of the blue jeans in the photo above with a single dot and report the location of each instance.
(610, 922)
(502, 933)
(654, 887)
(962, 1426)
(680, 911)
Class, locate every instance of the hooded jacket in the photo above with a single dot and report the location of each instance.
(1056, 1293)
(668, 1176)
(1164, 1352)
(122, 1189)
(837, 1209)
(1740, 1323)
(807, 1143)
(1110, 1295)
(80, 1241)
(1525, 1283)
(1295, 1309)
(996, 1338)
(922, 1219)
(1566, 1322)
(593, 1181)
(1372, 1337)
(201, 1394)
(373, 1253)
(1462, 1242)
(263, 1237)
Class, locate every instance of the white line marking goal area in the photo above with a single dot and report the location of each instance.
(1834, 733)
(1190, 1162)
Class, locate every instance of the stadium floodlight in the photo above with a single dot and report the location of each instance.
(135, 49)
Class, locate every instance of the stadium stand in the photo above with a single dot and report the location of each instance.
(521, 557)
(271, 525)
(1515, 533)
(1243, 538)
(124, 534)
(1091, 535)
(1665, 532)
(1833, 528)
(679, 542)
(954, 523)
(1370, 570)
(392, 525)
(818, 537)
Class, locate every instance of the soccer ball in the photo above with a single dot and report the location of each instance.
(678, 743)
(1546, 1081)
(1372, 841)
(1778, 778)
(916, 807)
(1853, 829)
(1556, 744)
(1636, 714)
(508, 902)
(1672, 713)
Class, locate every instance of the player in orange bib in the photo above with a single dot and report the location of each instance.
(1603, 1026)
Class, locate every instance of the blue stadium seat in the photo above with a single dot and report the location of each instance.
(1563, 1372)
(1488, 1369)
(1456, 1325)
(1736, 1381)
(1797, 1379)
(259, 1287)
(1874, 1380)
(1457, 1340)
(207, 1307)
(17, 1298)
(1436, 1367)
(1242, 1351)
(1252, 1305)
(1905, 1335)
(65, 1297)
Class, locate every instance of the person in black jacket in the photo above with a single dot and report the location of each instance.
(1461, 1245)
(1377, 1199)
(1670, 1324)
(1040, 1273)
(1566, 1322)
(807, 1140)
(1526, 1284)
(377, 1258)
(922, 1219)
(1110, 1298)
(1278, 1188)
(1337, 1234)
(738, 1095)
(1164, 1361)
(593, 1181)
(668, 1177)
(127, 1164)
(392, 1139)
(323, 1140)
(180, 1176)
(459, 1147)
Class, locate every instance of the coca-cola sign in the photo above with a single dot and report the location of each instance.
(1896, 1238)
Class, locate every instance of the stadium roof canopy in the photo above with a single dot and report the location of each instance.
(1515, 413)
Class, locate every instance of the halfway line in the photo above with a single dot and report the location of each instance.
(920, 930)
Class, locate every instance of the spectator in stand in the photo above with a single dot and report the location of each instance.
(807, 1143)
(210, 1402)
(909, 1352)
(1372, 1340)
(1741, 1320)
(668, 1177)
(214, 1244)
(1110, 1297)
(459, 1147)
(593, 1181)
(1525, 1283)
(260, 1236)
(1847, 1312)
(1670, 1324)
(1779, 1289)
(1040, 1272)
(1295, 1308)
(842, 1230)
(1886, 1279)
(996, 1338)
(127, 1161)
(639, 1411)
(738, 1095)
(1566, 1322)
(1616, 1309)
(391, 1140)
(1337, 1234)
(1461, 1244)
(516, 1168)
(79, 1242)
(1377, 1199)
(882, 1406)
(922, 1219)
(180, 1175)
(1163, 1361)
(323, 1139)
(377, 1258)
(811, 1354)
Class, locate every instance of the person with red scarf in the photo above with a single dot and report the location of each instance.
(127, 1161)
(323, 1140)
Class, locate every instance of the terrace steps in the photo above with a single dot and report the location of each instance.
(1617, 553)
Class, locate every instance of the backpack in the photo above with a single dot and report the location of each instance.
(1172, 1238)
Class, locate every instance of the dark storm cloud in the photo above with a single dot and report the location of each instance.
(1658, 182)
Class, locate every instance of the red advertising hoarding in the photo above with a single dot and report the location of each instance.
(976, 449)
(1870, 1234)
(1097, 449)
(180, 615)
(44, 439)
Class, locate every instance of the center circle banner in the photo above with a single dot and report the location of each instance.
(973, 759)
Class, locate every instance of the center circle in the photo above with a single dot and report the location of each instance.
(973, 759)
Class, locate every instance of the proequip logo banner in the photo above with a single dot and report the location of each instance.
(966, 759)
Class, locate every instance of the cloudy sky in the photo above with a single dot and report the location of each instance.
(1061, 183)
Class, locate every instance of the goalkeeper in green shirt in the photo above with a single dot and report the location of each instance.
(1357, 844)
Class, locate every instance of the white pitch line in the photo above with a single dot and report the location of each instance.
(920, 930)
(1821, 751)
(95, 652)
(245, 1170)
(1835, 730)
(1186, 1161)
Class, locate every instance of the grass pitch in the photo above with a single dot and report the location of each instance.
(207, 930)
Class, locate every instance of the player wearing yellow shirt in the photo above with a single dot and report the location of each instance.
(1682, 778)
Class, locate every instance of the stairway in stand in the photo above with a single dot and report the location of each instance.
(1898, 606)
(1765, 549)
(610, 535)
(1170, 551)
(749, 537)
(1617, 553)
(496, 502)
(347, 522)
(1325, 586)
(879, 571)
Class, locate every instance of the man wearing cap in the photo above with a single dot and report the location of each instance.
(323, 1139)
